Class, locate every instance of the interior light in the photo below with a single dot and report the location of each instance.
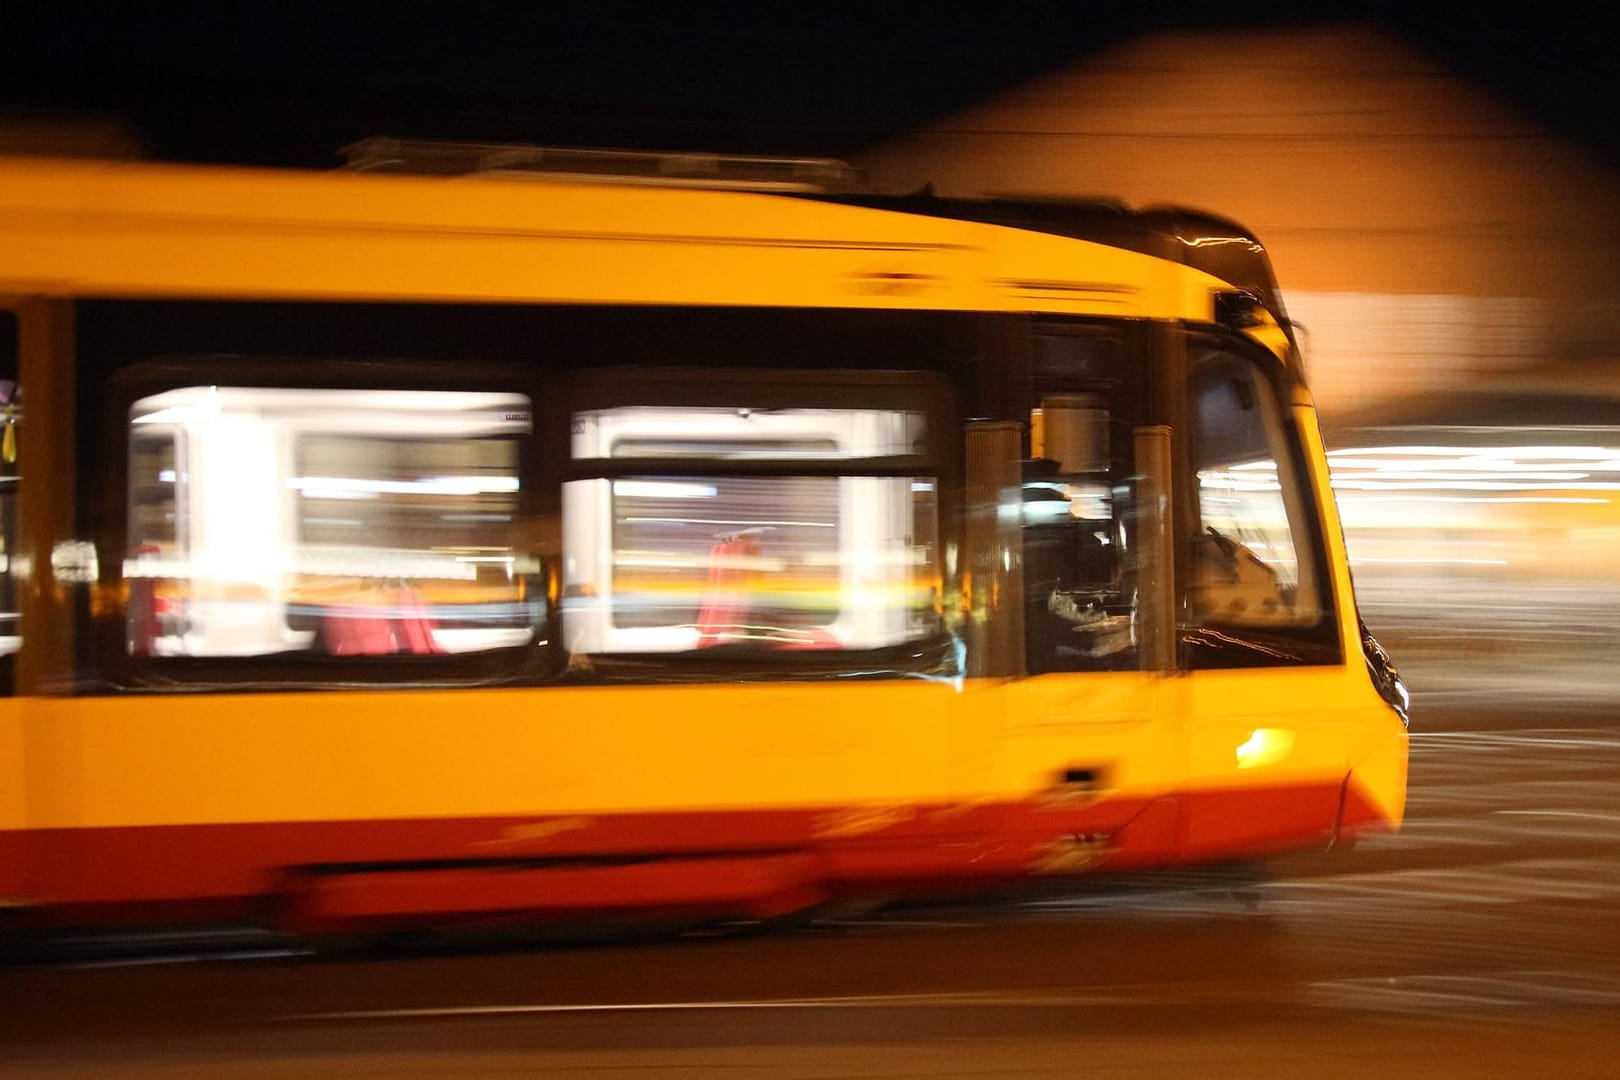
(350, 487)
(663, 489)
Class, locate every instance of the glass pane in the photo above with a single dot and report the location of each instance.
(1079, 585)
(717, 553)
(337, 522)
(1247, 570)
(10, 418)
(782, 561)
(10, 614)
(734, 434)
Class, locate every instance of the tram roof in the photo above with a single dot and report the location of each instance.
(1209, 242)
(123, 228)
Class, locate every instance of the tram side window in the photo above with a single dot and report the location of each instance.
(1256, 595)
(10, 417)
(749, 530)
(325, 521)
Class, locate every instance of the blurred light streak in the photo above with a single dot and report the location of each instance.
(1427, 498)
(663, 489)
(1470, 485)
(346, 487)
(729, 521)
(1436, 561)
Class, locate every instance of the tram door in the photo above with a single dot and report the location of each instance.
(12, 777)
(1089, 737)
(1257, 631)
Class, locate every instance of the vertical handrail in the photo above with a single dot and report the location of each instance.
(993, 564)
(46, 495)
(1155, 541)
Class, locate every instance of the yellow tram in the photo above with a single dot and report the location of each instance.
(386, 548)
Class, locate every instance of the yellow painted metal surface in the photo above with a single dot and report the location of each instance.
(180, 759)
(1379, 772)
(189, 759)
(1277, 727)
(98, 228)
(186, 759)
(13, 763)
(1317, 476)
(1112, 724)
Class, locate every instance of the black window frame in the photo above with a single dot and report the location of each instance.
(537, 659)
(924, 391)
(11, 598)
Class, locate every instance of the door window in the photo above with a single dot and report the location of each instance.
(1078, 502)
(1256, 591)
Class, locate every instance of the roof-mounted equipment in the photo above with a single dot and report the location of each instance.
(426, 157)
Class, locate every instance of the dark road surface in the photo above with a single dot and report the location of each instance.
(1483, 941)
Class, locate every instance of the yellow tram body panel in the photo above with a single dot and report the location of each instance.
(121, 229)
(185, 759)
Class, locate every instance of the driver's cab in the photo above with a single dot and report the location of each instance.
(1251, 574)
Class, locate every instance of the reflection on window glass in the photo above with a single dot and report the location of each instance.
(10, 616)
(10, 417)
(1247, 571)
(1079, 573)
(336, 522)
(767, 560)
(713, 552)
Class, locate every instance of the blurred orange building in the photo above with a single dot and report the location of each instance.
(1428, 235)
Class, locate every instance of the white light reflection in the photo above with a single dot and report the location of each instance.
(1471, 485)
(352, 487)
(663, 489)
(1460, 468)
(1370, 499)
(1436, 561)
(192, 405)
(747, 522)
(1264, 746)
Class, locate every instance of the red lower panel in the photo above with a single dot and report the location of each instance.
(754, 862)
(1358, 816)
(1153, 837)
(13, 868)
(755, 887)
(241, 860)
(1242, 823)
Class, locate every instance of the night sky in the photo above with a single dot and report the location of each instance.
(290, 83)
